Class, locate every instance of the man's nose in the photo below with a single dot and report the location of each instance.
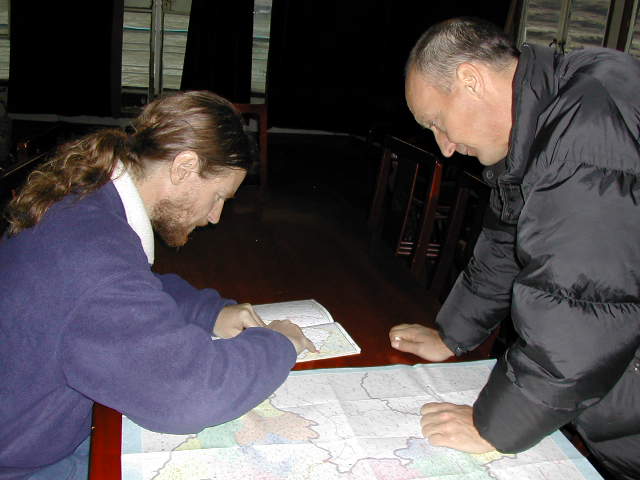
(446, 147)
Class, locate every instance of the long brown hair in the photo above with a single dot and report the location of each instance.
(199, 121)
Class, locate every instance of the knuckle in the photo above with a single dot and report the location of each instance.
(446, 416)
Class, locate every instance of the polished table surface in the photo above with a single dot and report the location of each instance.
(291, 247)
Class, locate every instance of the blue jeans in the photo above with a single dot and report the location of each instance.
(73, 467)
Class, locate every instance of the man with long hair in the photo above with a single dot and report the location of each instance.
(560, 249)
(83, 317)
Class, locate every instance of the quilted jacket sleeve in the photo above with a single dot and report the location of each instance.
(481, 296)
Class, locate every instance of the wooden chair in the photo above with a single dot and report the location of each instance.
(404, 207)
(463, 225)
(258, 111)
(426, 212)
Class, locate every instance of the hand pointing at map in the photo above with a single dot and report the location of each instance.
(293, 333)
(233, 319)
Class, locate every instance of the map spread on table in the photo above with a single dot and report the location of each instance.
(355, 423)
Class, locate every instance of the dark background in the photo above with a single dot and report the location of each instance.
(334, 65)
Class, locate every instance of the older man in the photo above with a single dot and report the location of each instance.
(560, 248)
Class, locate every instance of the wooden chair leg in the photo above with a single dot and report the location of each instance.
(440, 279)
(428, 219)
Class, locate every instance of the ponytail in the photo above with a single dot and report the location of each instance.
(78, 167)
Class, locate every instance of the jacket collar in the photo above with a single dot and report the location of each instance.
(534, 87)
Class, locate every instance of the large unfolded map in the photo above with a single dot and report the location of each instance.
(345, 424)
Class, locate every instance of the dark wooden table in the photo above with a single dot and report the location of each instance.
(293, 247)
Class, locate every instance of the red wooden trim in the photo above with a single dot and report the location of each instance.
(106, 444)
(408, 209)
(375, 215)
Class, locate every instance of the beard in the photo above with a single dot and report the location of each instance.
(169, 219)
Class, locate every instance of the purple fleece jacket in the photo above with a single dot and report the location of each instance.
(83, 319)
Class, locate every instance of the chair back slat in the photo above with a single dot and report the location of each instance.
(423, 215)
(404, 205)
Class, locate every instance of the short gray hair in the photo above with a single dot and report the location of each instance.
(444, 46)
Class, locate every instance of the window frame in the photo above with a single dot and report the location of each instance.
(136, 96)
(620, 24)
(6, 36)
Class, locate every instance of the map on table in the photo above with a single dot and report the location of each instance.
(351, 423)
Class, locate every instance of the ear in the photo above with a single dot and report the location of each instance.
(471, 79)
(183, 166)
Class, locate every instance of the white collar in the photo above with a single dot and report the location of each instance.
(134, 208)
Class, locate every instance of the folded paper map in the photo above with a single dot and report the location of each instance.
(329, 337)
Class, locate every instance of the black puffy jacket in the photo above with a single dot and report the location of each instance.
(560, 254)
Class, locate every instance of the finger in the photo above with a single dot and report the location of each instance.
(256, 318)
(430, 425)
(248, 316)
(310, 345)
(282, 321)
(306, 343)
(432, 422)
(437, 440)
(434, 407)
(400, 326)
(394, 333)
(405, 345)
